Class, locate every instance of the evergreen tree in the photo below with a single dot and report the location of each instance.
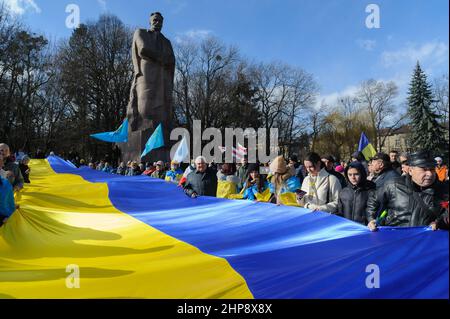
(426, 131)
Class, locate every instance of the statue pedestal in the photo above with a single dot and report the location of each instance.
(132, 150)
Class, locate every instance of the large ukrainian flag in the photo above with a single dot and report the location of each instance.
(137, 237)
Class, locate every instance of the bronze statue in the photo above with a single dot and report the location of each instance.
(154, 67)
(151, 90)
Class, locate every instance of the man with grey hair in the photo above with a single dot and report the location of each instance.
(412, 200)
(15, 176)
(202, 181)
(382, 167)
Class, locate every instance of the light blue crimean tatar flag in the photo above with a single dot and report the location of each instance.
(155, 141)
(118, 136)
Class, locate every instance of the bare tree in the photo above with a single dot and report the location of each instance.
(377, 97)
(273, 88)
(185, 56)
(316, 123)
(302, 91)
(441, 97)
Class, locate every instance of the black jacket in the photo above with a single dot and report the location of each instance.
(352, 202)
(407, 204)
(396, 166)
(385, 176)
(23, 169)
(204, 184)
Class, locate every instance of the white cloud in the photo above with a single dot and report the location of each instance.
(19, 7)
(436, 52)
(366, 44)
(194, 34)
(177, 5)
(401, 79)
(332, 98)
(102, 4)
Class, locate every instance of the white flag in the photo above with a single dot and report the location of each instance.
(182, 151)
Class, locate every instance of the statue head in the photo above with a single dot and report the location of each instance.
(156, 21)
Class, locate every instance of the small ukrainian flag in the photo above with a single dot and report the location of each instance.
(365, 147)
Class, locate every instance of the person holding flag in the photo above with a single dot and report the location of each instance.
(202, 181)
(175, 173)
(256, 187)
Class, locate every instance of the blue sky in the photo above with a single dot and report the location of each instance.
(327, 38)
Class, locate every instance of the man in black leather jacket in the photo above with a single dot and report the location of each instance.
(382, 166)
(412, 200)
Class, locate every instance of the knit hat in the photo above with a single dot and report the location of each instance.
(278, 165)
(339, 169)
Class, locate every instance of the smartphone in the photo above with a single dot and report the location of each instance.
(300, 193)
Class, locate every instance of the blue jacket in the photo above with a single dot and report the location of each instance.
(250, 193)
(7, 206)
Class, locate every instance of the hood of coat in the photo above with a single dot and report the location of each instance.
(362, 171)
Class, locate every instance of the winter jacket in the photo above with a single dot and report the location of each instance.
(442, 172)
(7, 206)
(352, 202)
(17, 179)
(159, 174)
(242, 173)
(203, 184)
(134, 172)
(385, 176)
(107, 169)
(121, 170)
(174, 176)
(26, 176)
(251, 191)
(323, 194)
(408, 204)
(229, 178)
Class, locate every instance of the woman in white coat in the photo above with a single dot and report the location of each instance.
(322, 189)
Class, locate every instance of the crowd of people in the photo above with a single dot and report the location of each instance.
(387, 190)
(14, 172)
